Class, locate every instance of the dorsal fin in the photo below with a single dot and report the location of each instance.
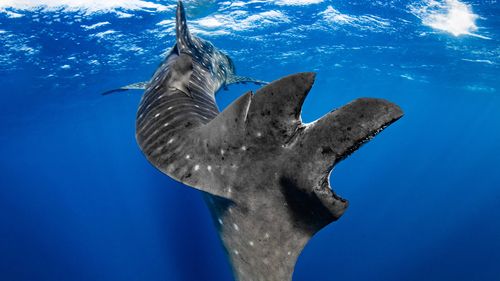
(184, 40)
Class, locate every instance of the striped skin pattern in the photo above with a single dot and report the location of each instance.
(165, 110)
(264, 173)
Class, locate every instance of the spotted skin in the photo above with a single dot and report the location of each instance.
(264, 173)
(181, 94)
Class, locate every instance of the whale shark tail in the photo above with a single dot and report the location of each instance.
(269, 121)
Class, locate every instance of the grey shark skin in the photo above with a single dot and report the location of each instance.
(264, 173)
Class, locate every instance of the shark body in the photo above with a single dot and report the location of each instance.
(264, 173)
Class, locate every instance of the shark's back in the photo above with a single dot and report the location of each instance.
(179, 97)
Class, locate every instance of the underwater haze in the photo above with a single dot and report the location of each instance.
(79, 201)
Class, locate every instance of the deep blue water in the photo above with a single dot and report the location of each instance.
(78, 201)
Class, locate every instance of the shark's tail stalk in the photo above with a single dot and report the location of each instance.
(266, 174)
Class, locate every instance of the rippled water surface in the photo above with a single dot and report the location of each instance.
(78, 201)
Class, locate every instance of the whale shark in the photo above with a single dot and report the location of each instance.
(263, 173)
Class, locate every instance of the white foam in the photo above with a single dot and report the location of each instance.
(240, 21)
(235, 21)
(104, 33)
(335, 16)
(166, 22)
(12, 15)
(276, 2)
(297, 2)
(123, 15)
(451, 16)
(85, 6)
(362, 22)
(25, 49)
(94, 26)
(210, 22)
(480, 61)
(133, 48)
(407, 76)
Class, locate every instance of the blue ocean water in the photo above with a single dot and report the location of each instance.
(78, 201)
